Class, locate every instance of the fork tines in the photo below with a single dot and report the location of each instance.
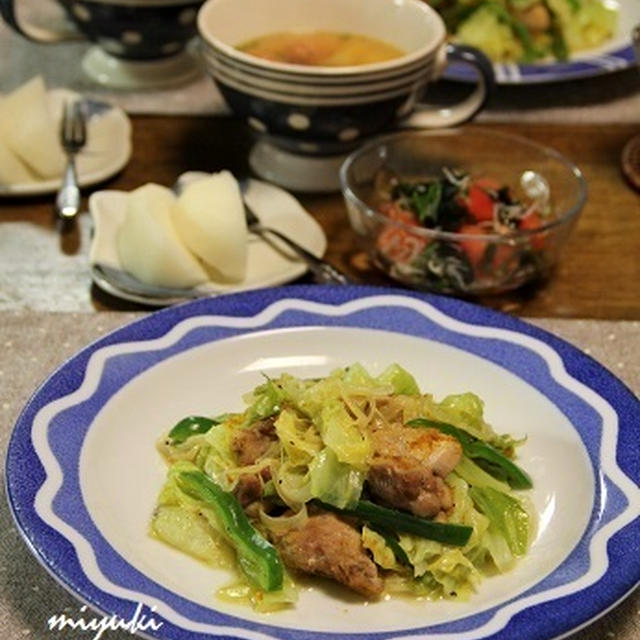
(73, 129)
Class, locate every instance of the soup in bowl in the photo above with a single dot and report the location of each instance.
(321, 48)
(278, 65)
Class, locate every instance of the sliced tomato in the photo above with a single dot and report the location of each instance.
(480, 203)
(530, 223)
(398, 214)
(474, 248)
(488, 184)
(503, 257)
(485, 257)
(399, 245)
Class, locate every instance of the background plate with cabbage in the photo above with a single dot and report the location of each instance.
(363, 480)
(527, 31)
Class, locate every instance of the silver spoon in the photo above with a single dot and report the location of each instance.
(535, 186)
(116, 281)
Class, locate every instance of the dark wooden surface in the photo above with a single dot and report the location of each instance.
(598, 277)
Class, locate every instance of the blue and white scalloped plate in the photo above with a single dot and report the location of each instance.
(613, 55)
(83, 473)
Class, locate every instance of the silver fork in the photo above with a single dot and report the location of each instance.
(73, 136)
(323, 272)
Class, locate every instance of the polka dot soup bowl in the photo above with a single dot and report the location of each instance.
(139, 42)
(309, 115)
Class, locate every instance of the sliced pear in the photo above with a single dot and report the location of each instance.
(209, 217)
(12, 170)
(149, 247)
(29, 130)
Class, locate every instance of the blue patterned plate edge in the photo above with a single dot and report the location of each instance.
(552, 609)
(587, 67)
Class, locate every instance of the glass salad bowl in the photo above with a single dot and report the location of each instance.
(464, 211)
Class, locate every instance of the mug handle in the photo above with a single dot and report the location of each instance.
(34, 32)
(426, 116)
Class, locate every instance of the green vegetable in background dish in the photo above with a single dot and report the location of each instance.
(487, 215)
(520, 30)
(529, 31)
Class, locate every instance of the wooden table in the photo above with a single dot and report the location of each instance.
(598, 276)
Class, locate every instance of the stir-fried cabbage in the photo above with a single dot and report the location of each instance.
(529, 30)
(317, 455)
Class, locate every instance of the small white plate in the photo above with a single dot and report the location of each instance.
(267, 264)
(107, 151)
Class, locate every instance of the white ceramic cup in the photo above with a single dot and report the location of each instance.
(411, 25)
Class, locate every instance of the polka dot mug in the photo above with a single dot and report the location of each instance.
(127, 29)
(323, 110)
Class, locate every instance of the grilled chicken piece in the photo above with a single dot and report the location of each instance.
(249, 444)
(329, 547)
(248, 489)
(408, 468)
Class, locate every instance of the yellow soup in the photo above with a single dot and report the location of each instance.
(321, 49)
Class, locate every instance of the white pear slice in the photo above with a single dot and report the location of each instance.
(12, 170)
(209, 216)
(149, 247)
(29, 130)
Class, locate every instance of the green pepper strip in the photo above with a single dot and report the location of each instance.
(530, 53)
(190, 426)
(392, 542)
(499, 466)
(454, 534)
(559, 46)
(258, 558)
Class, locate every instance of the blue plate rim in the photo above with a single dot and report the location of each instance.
(611, 588)
(585, 67)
